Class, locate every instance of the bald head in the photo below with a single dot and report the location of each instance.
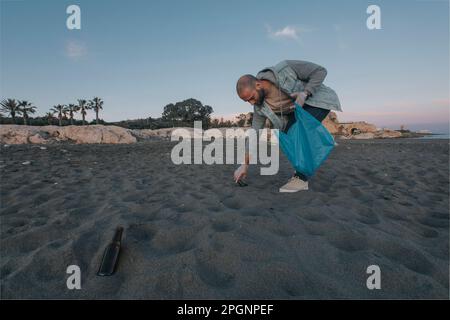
(250, 89)
(246, 82)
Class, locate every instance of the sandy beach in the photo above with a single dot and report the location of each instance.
(190, 232)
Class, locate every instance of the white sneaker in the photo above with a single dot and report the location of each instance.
(294, 184)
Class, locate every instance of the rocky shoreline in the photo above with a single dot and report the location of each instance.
(100, 134)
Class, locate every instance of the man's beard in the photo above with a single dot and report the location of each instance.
(261, 96)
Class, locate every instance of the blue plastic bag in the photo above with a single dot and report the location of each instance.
(307, 143)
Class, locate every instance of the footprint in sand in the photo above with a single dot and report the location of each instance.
(233, 203)
(367, 217)
(81, 212)
(313, 216)
(424, 231)
(223, 225)
(137, 198)
(210, 269)
(174, 241)
(434, 223)
(41, 199)
(214, 208)
(283, 231)
(86, 249)
(40, 222)
(347, 240)
(411, 258)
(141, 232)
(17, 223)
(440, 215)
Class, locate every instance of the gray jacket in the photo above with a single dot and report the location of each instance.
(295, 76)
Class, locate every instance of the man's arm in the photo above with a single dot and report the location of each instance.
(258, 122)
(312, 74)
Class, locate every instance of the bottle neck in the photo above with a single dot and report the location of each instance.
(118, 235)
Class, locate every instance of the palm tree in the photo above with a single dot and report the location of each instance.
(26, 108)
(61, 110)
(96, 104)
(10, 106)
(72, 109)
(82, 104)
(49, 116)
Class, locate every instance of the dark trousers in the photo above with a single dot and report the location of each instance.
(317, 113)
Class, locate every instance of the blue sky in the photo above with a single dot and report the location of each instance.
(141, 55)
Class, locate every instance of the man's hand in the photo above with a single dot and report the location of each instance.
(300, 97)
(240, 172)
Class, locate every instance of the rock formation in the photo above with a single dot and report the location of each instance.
(18, 134)
(356, 130)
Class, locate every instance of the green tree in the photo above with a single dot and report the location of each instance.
(96, 104)
(82, 104)
(215, 123)
(72, 109)
(204, 115)
(61, 110)
(240, 119)
(172, 114)
(26, 108)
(186, 112)
(11, 107)
(49, 116)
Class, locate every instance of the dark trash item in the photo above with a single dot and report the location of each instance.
(242, 183)
(111, 255)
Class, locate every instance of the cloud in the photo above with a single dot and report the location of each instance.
(287, 33)
(75, 49)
